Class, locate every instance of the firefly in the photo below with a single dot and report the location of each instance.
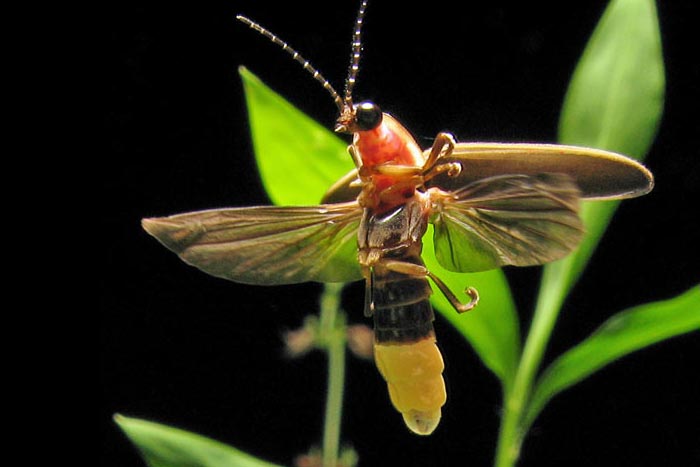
(491, 205)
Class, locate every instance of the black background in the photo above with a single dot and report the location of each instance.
(182, 348)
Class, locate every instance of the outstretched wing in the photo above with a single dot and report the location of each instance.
(518, 220)
(598, 174)
(266, 245)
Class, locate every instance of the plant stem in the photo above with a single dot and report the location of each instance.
(332, 335)
(549, 301)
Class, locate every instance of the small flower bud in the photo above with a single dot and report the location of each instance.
(314, 458)
(361, 340)
(300, 341)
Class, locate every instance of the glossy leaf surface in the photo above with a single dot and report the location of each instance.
(614, 102)
(622, 334)
(164, 446)
(298, 158)
(492, 328)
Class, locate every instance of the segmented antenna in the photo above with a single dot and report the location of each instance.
(296, 56)
(355, 54)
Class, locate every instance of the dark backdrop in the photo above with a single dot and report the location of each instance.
(182, 348)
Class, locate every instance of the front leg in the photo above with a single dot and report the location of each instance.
(443, 146)
(403, 181)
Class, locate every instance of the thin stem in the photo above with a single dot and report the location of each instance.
(549, 303)
(332, 333)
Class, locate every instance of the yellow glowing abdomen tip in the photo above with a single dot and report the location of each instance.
(413, 372)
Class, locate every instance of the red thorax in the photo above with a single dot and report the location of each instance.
(389, 144)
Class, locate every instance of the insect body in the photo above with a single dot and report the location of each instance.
(491, 204)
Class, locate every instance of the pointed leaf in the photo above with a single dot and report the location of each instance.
(614, 102)
(164, 446)
(616, 95)
(624, 333)
(492, 328)
(298, 158)
(281, 130)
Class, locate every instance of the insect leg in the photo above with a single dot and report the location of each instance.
(394, 170)
(442, 146)
(452, 298)
(355, 156)
(369, 293)
(408, 177)
(411, 269)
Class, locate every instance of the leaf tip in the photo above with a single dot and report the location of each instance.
(120, 420)
(246, 75)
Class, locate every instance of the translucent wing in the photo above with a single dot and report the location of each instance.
(519, 220)
(598, 174)
(266, 245)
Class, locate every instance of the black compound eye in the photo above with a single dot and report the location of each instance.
(368, 116)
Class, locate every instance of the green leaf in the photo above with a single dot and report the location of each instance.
(614, 101)
(616, 95)
(164, 446)
(622, 334)
(289, 142)
(492, 328)
(298, 158)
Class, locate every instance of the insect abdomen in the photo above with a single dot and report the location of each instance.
(405, 351)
